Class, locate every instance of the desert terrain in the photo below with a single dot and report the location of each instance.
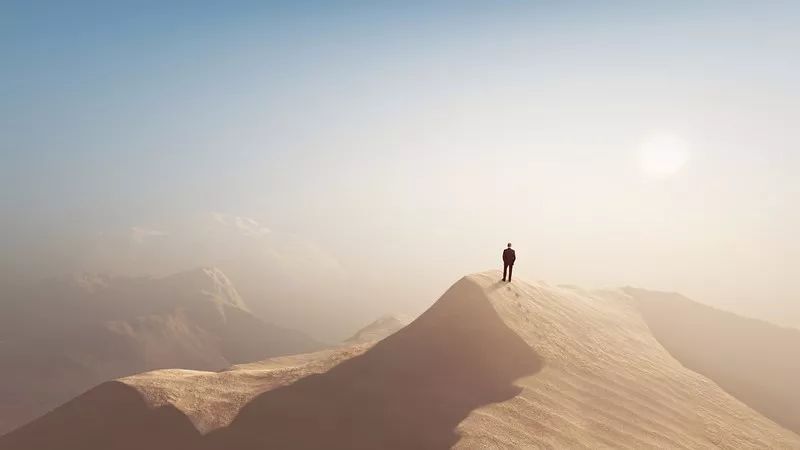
(489, 365)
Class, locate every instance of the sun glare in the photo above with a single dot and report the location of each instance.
(663, 155)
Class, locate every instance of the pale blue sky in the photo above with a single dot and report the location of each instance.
(420, 135)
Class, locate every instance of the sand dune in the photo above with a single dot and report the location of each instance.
(755, 361)
(488, 365)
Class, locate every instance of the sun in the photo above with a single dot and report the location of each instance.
(663, 155)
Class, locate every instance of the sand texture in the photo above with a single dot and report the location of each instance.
(489, 365)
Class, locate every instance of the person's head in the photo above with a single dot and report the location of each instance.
(509, 245)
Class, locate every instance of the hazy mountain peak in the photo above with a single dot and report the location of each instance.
(380, 328)
(90, 282)
(221, 290)
(203, 283)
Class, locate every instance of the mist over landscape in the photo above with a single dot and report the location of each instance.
(353, 153)
(259, 195)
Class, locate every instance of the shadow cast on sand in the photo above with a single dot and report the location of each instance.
(409, 391)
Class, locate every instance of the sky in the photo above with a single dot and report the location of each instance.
(342, 160)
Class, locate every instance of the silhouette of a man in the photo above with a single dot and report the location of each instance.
(508, 261)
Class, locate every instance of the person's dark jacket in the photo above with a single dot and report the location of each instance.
(509, 256)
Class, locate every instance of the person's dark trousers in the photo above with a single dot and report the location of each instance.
(509, 268)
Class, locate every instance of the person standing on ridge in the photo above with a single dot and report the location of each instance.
(508, 261)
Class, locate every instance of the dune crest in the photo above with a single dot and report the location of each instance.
(490, 364)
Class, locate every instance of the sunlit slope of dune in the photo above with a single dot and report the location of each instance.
(607, 382)
(490, 364)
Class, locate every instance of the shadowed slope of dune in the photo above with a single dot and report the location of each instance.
(755, 361)
(409, 391)
(112, 415)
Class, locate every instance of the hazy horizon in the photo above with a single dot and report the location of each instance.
(349, 160)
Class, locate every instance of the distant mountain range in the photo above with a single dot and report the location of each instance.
(60, 337)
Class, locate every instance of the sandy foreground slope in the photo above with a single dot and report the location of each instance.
(489, 365)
